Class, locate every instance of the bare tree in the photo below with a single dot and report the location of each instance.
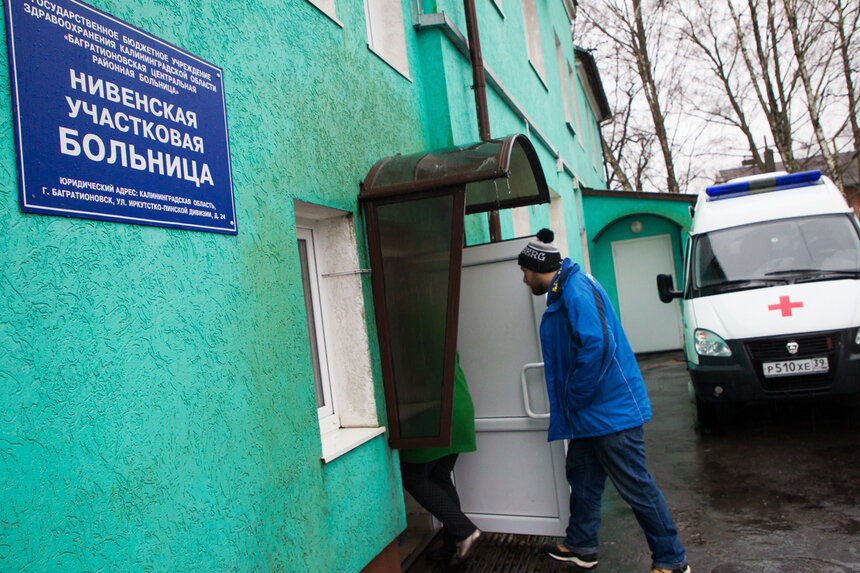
(627, 147)
(842, 18)
(703, 25)
(804, 31)
(762, 54)
(616, 146)
(783, 50)
(624, 24)
(639, 43)
(698, 81)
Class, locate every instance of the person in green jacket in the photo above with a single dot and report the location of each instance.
(426, 475)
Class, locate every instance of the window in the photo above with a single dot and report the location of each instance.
(521, 221)
(337, 330)
(386, 35)
(573, 103)
(564, 79)
(327, 7)
(316, 331)
(533, 43)
(556, 221)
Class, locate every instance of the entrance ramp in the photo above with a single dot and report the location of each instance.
(498, 553)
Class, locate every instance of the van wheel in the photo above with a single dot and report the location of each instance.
(709, 416)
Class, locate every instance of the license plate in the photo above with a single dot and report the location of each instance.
(795, 367)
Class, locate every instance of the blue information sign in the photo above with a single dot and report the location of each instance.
(115, 124)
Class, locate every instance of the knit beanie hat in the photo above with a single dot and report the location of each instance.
(539, 255)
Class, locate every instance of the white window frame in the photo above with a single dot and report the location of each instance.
(555, 210)
(327, 413)
(574, 103)
(591, 119)
(386, 33)
(534, 47)
(328, 8)
(564, 78)
(340, 295)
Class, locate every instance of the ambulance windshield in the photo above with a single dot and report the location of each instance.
(803, 249)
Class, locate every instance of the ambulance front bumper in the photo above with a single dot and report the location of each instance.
(741, 377)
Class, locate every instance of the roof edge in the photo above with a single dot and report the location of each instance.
(590, 66)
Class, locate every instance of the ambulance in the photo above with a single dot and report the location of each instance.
(771, 293)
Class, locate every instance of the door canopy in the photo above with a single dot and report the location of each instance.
(414, 211)
(497, 174)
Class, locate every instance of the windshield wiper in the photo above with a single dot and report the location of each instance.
(740, 284)
(792, 272)
(829, 275)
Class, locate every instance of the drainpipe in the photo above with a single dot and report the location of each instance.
(480, 99)
(477, 70)
(443, 23)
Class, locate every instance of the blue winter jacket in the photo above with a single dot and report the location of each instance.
(592, 378)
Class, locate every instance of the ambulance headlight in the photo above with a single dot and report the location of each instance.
(857, 338)
(710, 344)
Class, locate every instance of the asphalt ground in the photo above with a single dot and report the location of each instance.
(777, 489)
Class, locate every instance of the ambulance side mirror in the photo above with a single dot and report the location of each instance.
(664, 288)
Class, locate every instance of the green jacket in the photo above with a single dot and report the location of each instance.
(462, 426)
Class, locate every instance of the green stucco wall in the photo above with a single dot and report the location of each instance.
(503, 46)
(608, 217)
(158, 409)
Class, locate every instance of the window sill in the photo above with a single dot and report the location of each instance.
(394, 66)
(342, 440)
(326, 13)
(539, 74)
(497, 5)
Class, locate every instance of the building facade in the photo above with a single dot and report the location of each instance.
(178, 399)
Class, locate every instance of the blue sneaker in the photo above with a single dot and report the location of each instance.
(562, 553)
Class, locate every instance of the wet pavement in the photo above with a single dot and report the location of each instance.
(776, 490)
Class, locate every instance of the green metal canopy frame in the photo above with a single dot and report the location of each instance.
(415, 207)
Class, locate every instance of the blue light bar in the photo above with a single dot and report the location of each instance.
(776, 183)
(798, 179)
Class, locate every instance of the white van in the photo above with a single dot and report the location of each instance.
(771, 292)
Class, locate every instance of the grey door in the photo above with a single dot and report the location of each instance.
(515, 481)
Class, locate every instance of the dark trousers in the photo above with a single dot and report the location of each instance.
(431, 486)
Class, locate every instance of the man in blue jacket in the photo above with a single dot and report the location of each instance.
(597, 401)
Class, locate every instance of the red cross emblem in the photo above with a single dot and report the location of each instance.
(785, 306)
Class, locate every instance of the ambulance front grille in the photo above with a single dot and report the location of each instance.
(808, 346)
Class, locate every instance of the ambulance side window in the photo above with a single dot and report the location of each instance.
(688, 281)
(709, 271)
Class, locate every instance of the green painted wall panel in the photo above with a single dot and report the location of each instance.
(602, 262)
(158, 410)
(503, 46)
(608, 219)
(601, 210)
